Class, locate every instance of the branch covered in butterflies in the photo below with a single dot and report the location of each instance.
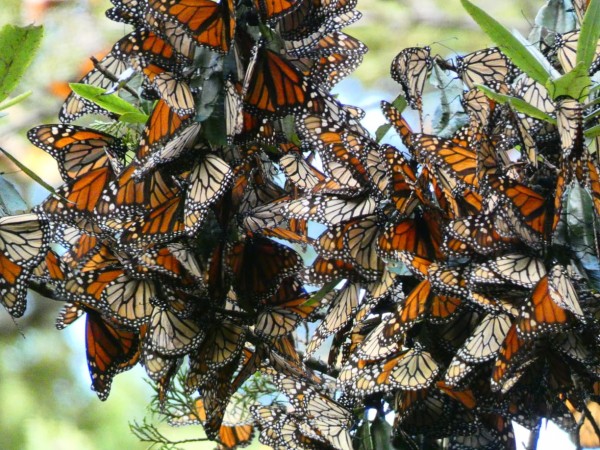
(459, 270)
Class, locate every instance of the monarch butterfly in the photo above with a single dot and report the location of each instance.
(110, 350)
(77, 199)
(273, 11)
(411, 68)
(330, 210)
(230, 436)
(331, 419)
(374, 162)
(405, 192)
(361, 241)
(448, 279)
(541, 314)
(258, 265)
(223, 344)
(283, 311)
(515, 355)
(458, 161)
(489, 67)
(76, 106)
(569, 118)
(413, 370)
(324, 270)
(283, 430)
(127, 198)
(24, 241)
(420, 304)
(51, 270)
(161, 224)
(299, 171)
(211, 24)
(419, 236)
(520, 269)
(128, 300)
(479, 108)
(486, 340)
(334, 43)
(77, 150)
(562, 291)
(525, 206)
(170, 334)
(534, 93)
(163, 126)
(274, 85)
(149, 53)
(343, 306)
(208, 180)
(565, 47)
(327, 71)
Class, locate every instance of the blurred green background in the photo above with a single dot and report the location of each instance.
(45, 400)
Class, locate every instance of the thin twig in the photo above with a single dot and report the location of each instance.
(111, 76)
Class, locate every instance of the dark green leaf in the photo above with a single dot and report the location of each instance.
(18, 47)
(27, 171)
(11, 201)
(518, 104)
(381, 433)
(589, 34)
(518, 53)
(112, 102)
(592, 132)
(364, 436)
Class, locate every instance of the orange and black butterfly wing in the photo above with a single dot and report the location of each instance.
(109, 351)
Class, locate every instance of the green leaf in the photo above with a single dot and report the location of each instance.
(518, 53)
(18, 47)
(134, 117)
(574, 84)
(518, 104)
(364, 436)
(112, 102)
(589, 34)
(592, 132)
(27, 171)
(11, 201)
(381, 433)
(13, 101)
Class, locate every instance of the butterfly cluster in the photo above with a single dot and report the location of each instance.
(452, 293)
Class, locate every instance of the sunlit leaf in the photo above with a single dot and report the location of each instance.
(134, 117)
(589, 34)
(518, 104)
(574, 84)
(18, 47)
(112, 102)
